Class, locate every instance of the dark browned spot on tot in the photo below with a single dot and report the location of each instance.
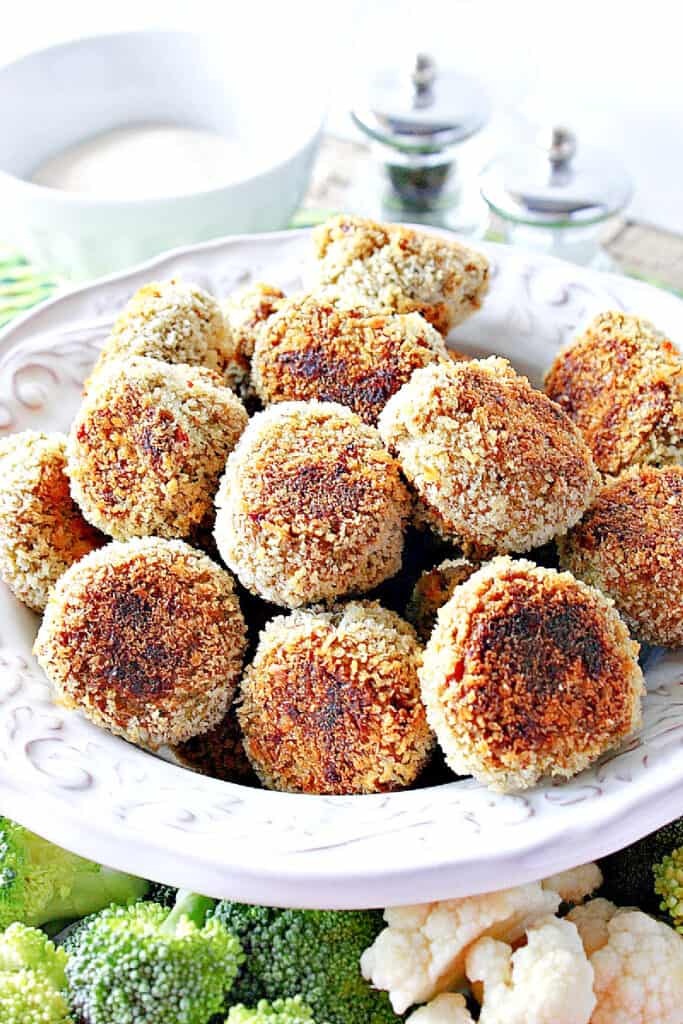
(323, 725)
(357, 359)
(540, 669)
(329, 490)
(137, 643)
(540, 644)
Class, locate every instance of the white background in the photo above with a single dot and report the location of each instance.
(612, 70)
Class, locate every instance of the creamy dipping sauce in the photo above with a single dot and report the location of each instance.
(145, 161)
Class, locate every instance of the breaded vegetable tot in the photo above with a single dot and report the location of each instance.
(433, 589)
(331, 703)
(529, 673)
(548, 981)
(637, 962)
(394, 268)
(42, 531)
(311, 506)
(146, 639)
(246, 312)
(621, 382)
(423, 949)
(629, 544)
(313, 349)
(148, 445)
(174, 321)
(496, 465)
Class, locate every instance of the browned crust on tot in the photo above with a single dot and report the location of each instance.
(175, 321)
(629, 544)
(146, 638)
(497, 466)
(246, 311)
(148, 445)
(42, 531)
(621, 382)
(392, 267)
(311, 506)
(331, 703)
(314, 349)
(529, 673)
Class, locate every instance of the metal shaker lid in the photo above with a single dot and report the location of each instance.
(555, 183)
(421, 108)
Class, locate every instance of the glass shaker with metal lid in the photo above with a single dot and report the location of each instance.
(557, 196)
(418, 118)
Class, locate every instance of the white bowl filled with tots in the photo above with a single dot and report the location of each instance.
(343, 568)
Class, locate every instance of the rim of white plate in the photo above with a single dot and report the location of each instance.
(105, 799)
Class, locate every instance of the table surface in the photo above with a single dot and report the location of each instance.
(638, 249)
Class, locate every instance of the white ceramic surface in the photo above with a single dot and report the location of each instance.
(106, 799)
(57, 97)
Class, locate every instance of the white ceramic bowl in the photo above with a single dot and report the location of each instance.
(102, 797)
(57, 97)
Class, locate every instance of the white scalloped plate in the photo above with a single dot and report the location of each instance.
(105, 799)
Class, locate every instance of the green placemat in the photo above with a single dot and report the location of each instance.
(21, 285)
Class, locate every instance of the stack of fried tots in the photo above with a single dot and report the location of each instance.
(364, 432)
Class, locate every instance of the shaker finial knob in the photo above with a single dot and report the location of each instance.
(562, 145)
(423, 77)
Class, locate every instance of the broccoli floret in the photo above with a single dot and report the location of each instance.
(32, 978)
(40, 882)
(669, 885)
(315, 953)
(282, 1011)
(628, 873)
(144, 964)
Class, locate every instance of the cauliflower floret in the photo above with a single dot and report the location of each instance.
(576, 884)
(592, 921)
(548, 981)
(638, 964)
(447, 1008)
(422, 951)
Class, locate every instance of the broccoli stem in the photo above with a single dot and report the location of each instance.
(92, 891)
(190, 905)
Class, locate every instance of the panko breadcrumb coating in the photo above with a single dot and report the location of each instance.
(621, 382)
(42, 531)
(629, 544)
(529, 673)
(432, 590)
(246, 312)
(148, 445)
(392, 267)
(497, 466)
(146, 638)
(174, 321)
(219, 753)
(331, 703)
(311, 506)
(313, 349)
